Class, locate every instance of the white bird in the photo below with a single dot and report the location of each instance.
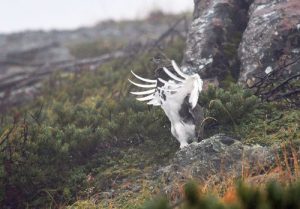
(177, 96)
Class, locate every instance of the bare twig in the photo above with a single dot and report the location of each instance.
(279, 84)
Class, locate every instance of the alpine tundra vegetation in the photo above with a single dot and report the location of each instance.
(72, 135)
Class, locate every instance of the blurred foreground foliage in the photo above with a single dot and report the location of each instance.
(273, 196)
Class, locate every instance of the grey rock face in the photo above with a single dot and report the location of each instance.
(218, 155)
(271, 38)
(214, 37)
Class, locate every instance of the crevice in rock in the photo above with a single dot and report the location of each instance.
(214, 39)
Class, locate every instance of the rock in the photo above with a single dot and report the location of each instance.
(219, 155)
(41, 55)
(271, 38)
(214, 38)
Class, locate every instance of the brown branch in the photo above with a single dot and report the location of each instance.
(278, 84)
(288, 94)
(283, 83)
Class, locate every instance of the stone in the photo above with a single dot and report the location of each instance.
(220, 156)
(271, 39)
(214, 38)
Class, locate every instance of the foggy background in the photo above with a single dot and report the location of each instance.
(19, 15)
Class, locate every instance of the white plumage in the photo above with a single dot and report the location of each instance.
(177, 96)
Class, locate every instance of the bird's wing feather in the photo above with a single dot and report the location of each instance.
(147, 98)
(177, 69)
(151, 91)
(142, 85)
(151, 95)
(174, 87)
(194, 93)
(172, 75)
(143, 79)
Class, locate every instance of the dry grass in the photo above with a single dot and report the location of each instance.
(222, 185)
(285, 171)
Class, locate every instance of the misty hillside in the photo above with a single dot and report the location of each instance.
(26, 58)
(71, 135)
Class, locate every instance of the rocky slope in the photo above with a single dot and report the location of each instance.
(27, 58)
(40, 47)
(239, 40)
(236, 39)
(229, 40)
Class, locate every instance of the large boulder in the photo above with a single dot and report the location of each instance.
(214, 38)
(271, 39)
(219, 156)
(212, 160)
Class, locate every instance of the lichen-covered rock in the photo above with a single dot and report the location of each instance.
(214, 38)
(219, 155)
(271, 38)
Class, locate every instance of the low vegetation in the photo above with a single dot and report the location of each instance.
(85, 134)
(95, 48)
(83, 128)
(240, 113)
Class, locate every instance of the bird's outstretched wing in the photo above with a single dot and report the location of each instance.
(176, 83)
(148, 95)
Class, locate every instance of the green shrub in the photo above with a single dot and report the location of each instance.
(228, 106)
(236, 111)
(227, 110)
(83, 124)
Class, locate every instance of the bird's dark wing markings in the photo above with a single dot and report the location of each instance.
(185, 111)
